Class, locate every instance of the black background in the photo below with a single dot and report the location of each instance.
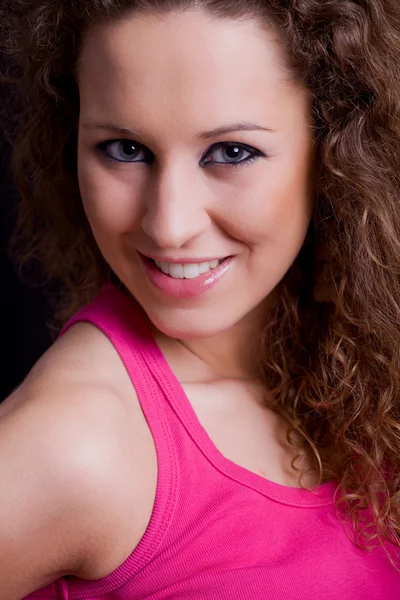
(23, 332)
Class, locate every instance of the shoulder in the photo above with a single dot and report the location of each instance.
(75, 395)
(71, 435)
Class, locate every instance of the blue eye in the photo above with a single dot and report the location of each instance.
(121, 150)
(127, 151)
(233, 151)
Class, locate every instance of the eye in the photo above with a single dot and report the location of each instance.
(121, 150)
(232, 152)
(125, 151)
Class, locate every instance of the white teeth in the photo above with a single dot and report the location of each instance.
(164, 268)
(191, 271)
(176, 271)
(204, 268)
(186, 271)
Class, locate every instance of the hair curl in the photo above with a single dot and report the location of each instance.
(330, 350)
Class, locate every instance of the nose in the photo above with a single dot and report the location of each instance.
(175, 209)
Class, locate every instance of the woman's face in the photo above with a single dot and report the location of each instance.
(158, 182)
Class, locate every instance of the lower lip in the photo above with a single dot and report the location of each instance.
(184, 288)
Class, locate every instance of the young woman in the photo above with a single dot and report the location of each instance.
(216, 185)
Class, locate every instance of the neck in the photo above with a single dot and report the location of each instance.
(231, 354)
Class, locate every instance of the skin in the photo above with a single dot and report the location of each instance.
(169, 79)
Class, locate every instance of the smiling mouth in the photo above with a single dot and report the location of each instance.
(186, 270)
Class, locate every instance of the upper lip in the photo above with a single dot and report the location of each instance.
(183, 261)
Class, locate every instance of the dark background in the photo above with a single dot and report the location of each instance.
(23, 333)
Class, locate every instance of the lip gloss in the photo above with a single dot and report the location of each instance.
(184, 288)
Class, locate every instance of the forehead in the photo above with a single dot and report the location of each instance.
(183, 62)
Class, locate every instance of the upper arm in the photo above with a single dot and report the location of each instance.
(62, 435)
(50, 472)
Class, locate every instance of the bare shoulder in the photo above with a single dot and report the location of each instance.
(70, 440)
(78, 384)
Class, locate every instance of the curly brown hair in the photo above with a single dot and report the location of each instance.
(330, 350)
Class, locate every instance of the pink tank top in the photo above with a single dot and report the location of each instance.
(217, 530)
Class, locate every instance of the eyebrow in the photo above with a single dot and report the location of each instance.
(234, 127)
(243, 126)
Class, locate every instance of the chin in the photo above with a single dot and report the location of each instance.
(188, 327)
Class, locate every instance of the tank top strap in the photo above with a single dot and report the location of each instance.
(121, 319)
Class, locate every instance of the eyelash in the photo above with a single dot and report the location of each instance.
(102, 146)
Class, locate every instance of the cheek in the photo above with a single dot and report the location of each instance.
(111, 202)
(275, 210)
